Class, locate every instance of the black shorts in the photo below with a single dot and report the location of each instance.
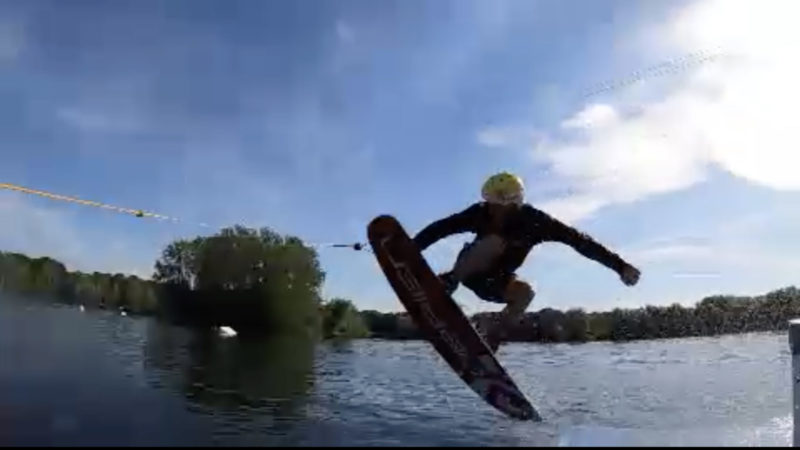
(490, 286)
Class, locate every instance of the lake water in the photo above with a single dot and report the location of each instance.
(94, 378)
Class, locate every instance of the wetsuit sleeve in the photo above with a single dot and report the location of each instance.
(460, 222)
(552, 229)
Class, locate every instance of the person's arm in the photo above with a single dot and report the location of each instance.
(554, 230)
(460, 222)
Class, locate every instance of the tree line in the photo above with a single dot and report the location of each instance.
(253, 280)
(714, 315)
(257, 281)
(46, 277)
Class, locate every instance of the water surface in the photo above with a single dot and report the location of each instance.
(72, 378)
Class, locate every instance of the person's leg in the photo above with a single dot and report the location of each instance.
(516, 294)
(474, 258)
(475, 268)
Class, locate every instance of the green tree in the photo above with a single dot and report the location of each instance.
(46, 276)
(177, 265)
(342, 319)
(600, 326)
(551, 325)
(256, 279)
(380, 324)
(576, 325)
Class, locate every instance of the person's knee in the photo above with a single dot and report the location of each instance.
(519, 296)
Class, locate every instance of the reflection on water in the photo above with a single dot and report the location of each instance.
(95, 377)
(69, 377)
(270, 376)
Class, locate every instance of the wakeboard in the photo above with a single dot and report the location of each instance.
(441, 320)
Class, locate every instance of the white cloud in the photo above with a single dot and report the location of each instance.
(638, 79)
(573, 207)
(736, 114)
(593, 116)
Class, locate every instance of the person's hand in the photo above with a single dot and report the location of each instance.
(630, 275)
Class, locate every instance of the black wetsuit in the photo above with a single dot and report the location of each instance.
(521, 230)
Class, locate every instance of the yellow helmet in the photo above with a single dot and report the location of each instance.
(504, 188)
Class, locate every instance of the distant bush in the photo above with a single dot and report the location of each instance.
(341, 319)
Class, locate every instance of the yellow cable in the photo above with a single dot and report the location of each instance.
(134, 212)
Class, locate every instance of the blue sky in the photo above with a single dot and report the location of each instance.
(313, 117)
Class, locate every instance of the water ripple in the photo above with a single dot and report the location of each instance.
(96, 378)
